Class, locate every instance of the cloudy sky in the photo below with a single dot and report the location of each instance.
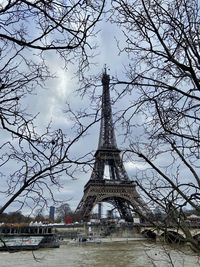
(51, 102)
(62, 88)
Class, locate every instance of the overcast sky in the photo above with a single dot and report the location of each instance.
(61, 90)
(51, 102)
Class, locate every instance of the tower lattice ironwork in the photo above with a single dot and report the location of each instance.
(118, 190)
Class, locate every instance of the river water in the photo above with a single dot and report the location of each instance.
(112, 254)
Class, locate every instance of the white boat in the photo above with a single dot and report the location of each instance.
(23, 237)
(20, 242)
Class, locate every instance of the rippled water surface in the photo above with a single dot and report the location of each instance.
(116, 254)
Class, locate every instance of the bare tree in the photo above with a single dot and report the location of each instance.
(32, 162)
(62, 211)
(162, 76)
(62, 25)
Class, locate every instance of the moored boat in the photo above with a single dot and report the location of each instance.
(27, 237)
(13, 243)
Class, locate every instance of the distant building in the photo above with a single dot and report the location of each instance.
(52, 213)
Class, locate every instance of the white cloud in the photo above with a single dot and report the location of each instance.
(130, 166)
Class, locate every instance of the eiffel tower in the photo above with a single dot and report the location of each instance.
(118, 190)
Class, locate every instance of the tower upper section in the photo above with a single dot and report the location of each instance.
(107, 138)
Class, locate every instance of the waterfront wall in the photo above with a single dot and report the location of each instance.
(112, 230)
